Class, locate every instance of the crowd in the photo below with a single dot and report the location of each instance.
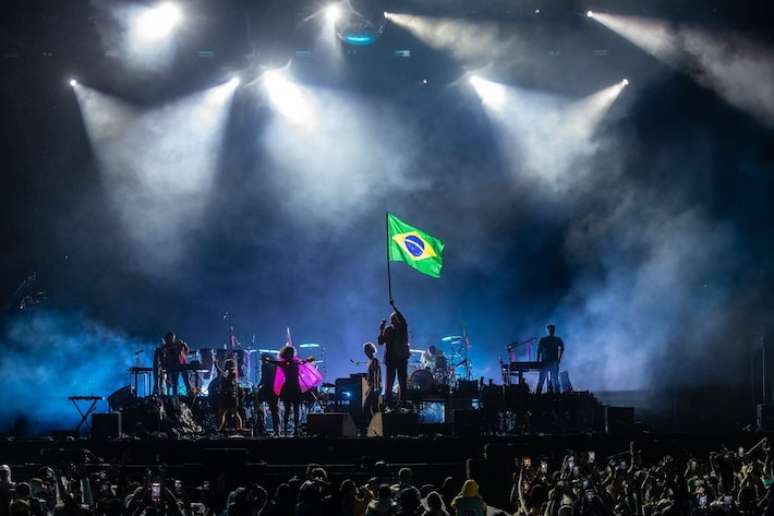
(727, 482)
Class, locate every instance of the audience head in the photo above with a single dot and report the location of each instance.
(405, 475)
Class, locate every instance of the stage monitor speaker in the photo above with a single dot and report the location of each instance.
(122, 398)
(619, 420)
(349, 395)
(106, 426)
(332, 424)
(467, 422)
(393, 423)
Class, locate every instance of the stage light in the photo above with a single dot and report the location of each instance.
(73, 83)
(333, 12)
(235, 81)
(157, 23)
(589, 14)
(491, 93)
(361, 23)
(625, 82)
(288, 98)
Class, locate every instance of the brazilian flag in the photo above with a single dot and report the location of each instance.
(415, 247)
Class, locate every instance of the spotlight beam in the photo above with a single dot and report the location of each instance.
(736, 68)
(289, 99)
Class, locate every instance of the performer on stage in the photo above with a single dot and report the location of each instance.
(435, 361)
(394, 338)
(427, 360)
(374, 379)
(549, 354)
(229, 394)
(173, 353)
(266, 392)
(292, 378)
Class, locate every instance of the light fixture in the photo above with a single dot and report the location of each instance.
(333, 12)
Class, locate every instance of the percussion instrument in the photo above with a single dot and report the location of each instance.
(422, 380)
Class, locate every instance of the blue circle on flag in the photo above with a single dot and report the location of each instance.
(414, 245)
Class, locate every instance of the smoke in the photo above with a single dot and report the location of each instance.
(157, 166)
(464, 40)
(347, 156)
(736, 68)
(653, 288)
(50, 355)
(546, 135)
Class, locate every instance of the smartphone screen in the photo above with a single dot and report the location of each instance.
(592, 456)
(155, 491)
(544, 467)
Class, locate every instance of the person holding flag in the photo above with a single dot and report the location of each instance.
(424, 253)
(394, 338)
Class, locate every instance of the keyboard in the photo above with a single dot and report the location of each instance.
(520, 367)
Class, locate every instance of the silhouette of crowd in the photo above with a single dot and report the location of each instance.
(726, 482)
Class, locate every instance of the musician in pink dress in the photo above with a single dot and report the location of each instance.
(293, 377)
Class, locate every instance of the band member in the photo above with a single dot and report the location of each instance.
(394, 338)
(435, 361)
(288, 373)
(229, 394)
(266, 392)
(173, 353)
(374, 379)
(549, 354)
(427, 360)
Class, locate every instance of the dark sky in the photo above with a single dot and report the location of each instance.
(651, 249)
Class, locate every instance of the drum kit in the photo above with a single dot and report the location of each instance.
(441, 366)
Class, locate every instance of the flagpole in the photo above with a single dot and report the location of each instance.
(389, 274)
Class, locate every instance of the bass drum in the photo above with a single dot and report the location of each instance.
(422, 381)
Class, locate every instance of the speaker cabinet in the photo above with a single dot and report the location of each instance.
(393, 423)
(332, 424)
(106, 426)
(122, 398)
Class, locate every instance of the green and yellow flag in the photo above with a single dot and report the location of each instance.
(415, 247)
